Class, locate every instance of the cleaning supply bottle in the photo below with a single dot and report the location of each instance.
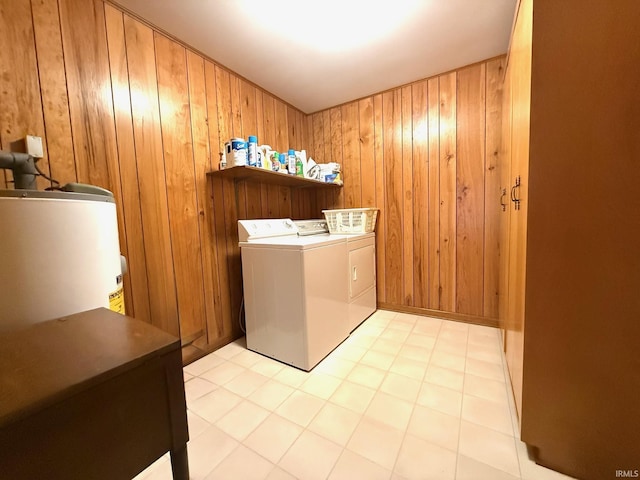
(299, 166)
(252, 154)
(275, 161)
(292, 161)
(283, 163)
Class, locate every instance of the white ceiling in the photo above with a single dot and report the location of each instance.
(316, 54)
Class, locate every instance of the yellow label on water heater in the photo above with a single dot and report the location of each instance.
(116, 300)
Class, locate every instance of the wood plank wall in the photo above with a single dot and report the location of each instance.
(120, 105)
(425, 154)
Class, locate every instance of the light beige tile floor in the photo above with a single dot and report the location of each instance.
(403, 397)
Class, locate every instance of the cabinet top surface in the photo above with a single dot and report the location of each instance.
(48, 361)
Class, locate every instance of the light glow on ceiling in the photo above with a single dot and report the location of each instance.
(331, 25)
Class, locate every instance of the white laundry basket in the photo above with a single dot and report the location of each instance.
(351, 220)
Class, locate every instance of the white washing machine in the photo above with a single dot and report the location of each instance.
(304, 290)
(295, 291)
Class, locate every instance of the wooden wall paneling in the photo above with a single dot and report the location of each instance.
(293, 140)
(297, 195)
(309, 204)
(493, 118)
(198, 106)
(236, 106)
(448, 192)
(367, 152)
(273, 191)
(269, 119)
(91, 111)
(407, 195)
(470, 132)
(284, 201)
(230, 202)
(237, 132)
(315, 207)
(282, 146)
(392, 125)
(21, 112)
(222, 299)
(137, 299)
(304, 132)
(420, 175)
(226, 129)
(326, 134)
(249, 112)
(317, 133)
(175, 121)
(84, 41)
(264, 188)
(433, 218)
(351, 155)
(281, 127)
(336, 151)
(381, 228)
(329, 197)
(152, 184)
(53, 89)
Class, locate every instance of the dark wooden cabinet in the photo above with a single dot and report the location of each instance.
(571, 309)
(94, 395)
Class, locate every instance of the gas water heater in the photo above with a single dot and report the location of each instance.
(59, 254)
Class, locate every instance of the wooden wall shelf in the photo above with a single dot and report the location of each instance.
(267, 176)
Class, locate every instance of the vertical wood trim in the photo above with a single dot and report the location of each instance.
(230, 204)
(202, 164)
(378, 152)
(53, 89)
(318, 137)
(492, 187)
(260, 117)
(249, 120)
(282, 146)
(137, 303)
(297, 197)
(336, 150)
(153, 189)
(281, 127)
(351, 156)
(273, 192)
(434, 194)
(448, 192)
(392, 125)
(84, 42)
(421, 231)
(175, 123)
(317, 121)
(407, 195)
(236, 106)
(470, 130)
(367, 152)
(222, 297)
(20, 101)
(292, 129)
